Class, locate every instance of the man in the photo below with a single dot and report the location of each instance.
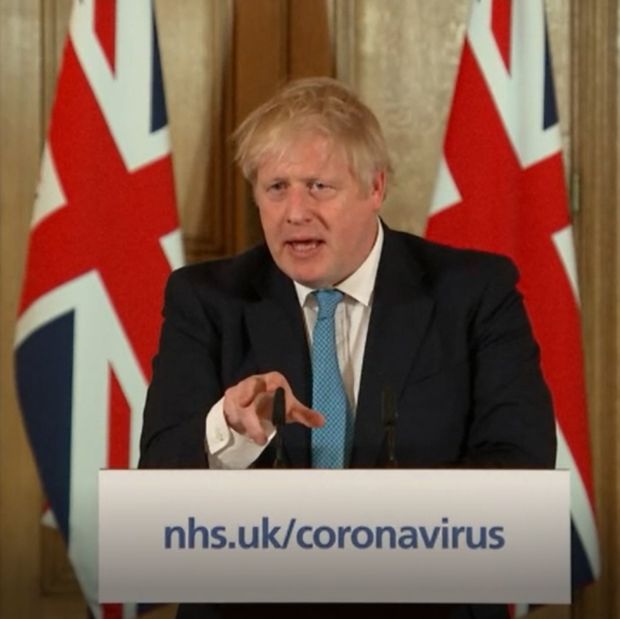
(441, 329)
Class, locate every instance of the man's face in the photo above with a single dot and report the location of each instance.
(319, 224)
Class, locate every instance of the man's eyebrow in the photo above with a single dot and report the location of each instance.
(275, 179)
(326, 178)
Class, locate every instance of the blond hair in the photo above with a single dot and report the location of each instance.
(314, 105)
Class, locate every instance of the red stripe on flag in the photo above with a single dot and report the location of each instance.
(119, 424)
(112, 611)
(500, 24)
(105, 28)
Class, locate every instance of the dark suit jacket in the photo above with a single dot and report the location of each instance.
(448, 334)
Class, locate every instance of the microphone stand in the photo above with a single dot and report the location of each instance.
(388, 410)
(278, 417)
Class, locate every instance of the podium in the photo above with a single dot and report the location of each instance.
(350, 536)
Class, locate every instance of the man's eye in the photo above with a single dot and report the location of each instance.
(318, 186)
(321, 190)
(276, 190)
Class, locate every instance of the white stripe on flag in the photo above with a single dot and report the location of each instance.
(581, 509)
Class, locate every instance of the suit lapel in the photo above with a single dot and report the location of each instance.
(277, 333)
(401, 312)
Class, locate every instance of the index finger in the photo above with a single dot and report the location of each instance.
(298, 413)
(250, 388)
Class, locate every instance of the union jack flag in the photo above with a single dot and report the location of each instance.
(104, 237)
(501, 188)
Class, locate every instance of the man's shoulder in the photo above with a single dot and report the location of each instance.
(437, 260)
(234, 275)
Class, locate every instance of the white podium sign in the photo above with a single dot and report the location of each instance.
(462, 536)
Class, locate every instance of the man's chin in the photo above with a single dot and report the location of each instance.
(311, 283)
(310, 280)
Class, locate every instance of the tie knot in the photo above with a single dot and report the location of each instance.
(327, 299)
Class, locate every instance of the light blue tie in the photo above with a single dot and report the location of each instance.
(329, 443)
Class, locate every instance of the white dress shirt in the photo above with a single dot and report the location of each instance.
(228, 449)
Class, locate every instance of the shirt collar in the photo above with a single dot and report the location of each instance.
(360, 284)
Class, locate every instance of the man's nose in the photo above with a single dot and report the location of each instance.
(298, 205)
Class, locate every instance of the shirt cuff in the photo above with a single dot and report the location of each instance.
(227, 448)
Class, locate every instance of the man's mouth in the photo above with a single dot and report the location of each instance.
(305, 246)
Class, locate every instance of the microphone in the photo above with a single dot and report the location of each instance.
(278, 418)
(388, 411)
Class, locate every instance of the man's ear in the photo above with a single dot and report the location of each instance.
(377, 188)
